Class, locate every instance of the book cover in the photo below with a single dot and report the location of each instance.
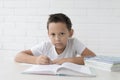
(106, 59)
(108, 63)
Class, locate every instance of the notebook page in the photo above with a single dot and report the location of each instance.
(78, 68)
(42, 69)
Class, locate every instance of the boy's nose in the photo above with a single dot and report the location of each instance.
(57, 37)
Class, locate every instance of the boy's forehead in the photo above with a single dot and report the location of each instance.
(58, 25)
(56, 28)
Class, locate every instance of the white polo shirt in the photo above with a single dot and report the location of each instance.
(73, 48)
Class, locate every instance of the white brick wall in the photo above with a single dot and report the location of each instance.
(95, 22)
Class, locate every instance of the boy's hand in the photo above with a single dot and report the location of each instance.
(59, 61)
(42, 59)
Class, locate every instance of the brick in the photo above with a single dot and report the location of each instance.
(6, 12)
(15, 3)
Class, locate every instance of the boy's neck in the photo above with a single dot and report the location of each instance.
(59, 51)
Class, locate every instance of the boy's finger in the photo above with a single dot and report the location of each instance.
(55, 61)
(46, 57)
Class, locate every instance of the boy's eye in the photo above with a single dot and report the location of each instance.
(62, 34)
(53, 34)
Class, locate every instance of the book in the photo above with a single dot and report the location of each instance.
(66, 69)
(108, 63)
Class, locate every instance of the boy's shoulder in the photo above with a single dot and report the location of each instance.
(73, 39)
(47, 44)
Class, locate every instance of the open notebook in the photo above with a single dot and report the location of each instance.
(66, 69)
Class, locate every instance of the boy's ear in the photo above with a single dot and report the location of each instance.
(71, 33)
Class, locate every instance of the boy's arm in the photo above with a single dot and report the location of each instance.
(77, 60)
(87, 53)
(25, 57)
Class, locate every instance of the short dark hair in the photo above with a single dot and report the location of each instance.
(59, 17)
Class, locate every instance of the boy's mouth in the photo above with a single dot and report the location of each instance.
(58, 44)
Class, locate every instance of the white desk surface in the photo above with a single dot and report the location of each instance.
(10, 70)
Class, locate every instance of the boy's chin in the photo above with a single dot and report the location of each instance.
(59, 47)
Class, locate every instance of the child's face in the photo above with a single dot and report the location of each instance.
(58, 34)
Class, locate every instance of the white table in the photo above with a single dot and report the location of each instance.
(10, 70)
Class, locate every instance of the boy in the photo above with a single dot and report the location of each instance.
(61, 47)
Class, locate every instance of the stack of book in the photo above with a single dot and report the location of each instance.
(108, 63)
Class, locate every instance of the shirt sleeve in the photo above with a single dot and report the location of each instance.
(79, 46)
(38, 49)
